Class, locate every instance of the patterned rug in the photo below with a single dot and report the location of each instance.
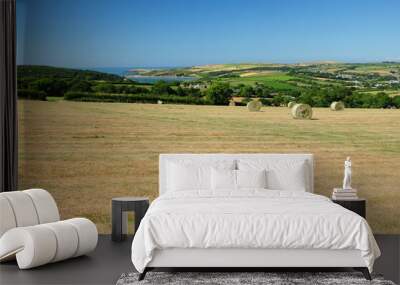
(244, 278)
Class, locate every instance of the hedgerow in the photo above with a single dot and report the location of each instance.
(133, 98)
(31, 94)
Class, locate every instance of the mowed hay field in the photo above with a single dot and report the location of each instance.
(87, 153)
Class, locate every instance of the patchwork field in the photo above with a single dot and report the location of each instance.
(276, 80)
(87, 153)
(391, 93)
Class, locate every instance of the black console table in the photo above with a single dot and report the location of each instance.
(120, 205)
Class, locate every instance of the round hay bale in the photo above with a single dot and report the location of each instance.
(291, 104)
(337, 106)
(159, 102)
(301, 111)
(254, 106)
(232, 103)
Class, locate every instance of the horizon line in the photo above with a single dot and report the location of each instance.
(226, 63)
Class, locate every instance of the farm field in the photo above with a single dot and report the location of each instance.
(391, 93)
(278, 81)
(87, 153)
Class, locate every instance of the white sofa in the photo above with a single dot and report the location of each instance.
(31, 230)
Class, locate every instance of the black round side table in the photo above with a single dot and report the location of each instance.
(119, 206)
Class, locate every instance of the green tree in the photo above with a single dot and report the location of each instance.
(280, 100)
(396, 101)
(180, 91)
(52, 87)
(219, 93)
(381, 100)
(247, 91)
(307, 98)
(162, 87)
(79, 85)
(105, 88)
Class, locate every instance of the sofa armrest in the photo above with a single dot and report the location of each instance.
(40, 244)
(32, 246)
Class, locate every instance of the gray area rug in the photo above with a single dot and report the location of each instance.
(269, 278)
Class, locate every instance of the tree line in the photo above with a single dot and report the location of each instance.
(35, 83)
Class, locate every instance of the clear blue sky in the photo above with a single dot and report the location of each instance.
(111, 33)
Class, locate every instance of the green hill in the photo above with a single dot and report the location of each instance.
(41, 71)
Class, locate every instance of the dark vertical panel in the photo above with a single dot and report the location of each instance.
(8, 98)
(116, 223)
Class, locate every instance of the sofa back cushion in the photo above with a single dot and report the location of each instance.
(26, 208)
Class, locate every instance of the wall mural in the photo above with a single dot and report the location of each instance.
(104, 90)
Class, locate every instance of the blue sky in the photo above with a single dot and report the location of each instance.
(111, 33)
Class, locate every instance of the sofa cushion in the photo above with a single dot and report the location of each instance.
(23, 208)
(41, 244)
(46, 207)
(7, 220)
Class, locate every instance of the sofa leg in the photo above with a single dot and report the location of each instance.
(143, 274)
(364, 271)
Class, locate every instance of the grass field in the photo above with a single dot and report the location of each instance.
(278, 81)
(87, 153)
(391, 93)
